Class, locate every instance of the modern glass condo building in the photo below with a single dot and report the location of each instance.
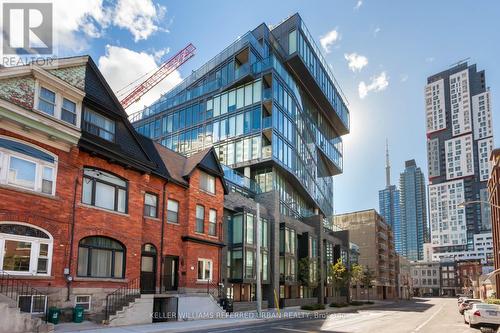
(271, 107)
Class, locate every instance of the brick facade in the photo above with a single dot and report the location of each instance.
(68, 220)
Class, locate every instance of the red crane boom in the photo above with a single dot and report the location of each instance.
(166, 69)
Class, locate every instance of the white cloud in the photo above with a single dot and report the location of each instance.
(378, 83)
(404, 77)
(429, 59)
(121, 66)
(159, 54)
(140, 17)
(77, 21)
(359, 3)
(356, 61)
(329, 39)
(74, 21)
(376, 31)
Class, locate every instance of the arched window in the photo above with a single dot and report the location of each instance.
(26, 166)
(101, 257)
(105, 190)
(24, 249)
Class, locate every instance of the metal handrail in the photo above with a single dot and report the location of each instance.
(122, 296)
(13, 288)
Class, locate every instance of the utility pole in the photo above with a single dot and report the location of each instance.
(258, 292)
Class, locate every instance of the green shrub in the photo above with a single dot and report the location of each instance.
(369, 302)
(357, 303)
(337, 305)
(313, 307)
(493, 301)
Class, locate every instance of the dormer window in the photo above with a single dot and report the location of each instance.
(47, 101)
(99, 125)
(68, 111)
(58, 105)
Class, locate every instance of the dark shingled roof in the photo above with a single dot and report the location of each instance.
(180, 167)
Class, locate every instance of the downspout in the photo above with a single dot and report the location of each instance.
(162, 233)
(71, 241)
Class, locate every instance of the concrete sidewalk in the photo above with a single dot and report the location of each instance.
(237, 318)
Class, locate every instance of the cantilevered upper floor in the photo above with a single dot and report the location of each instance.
(267, 97)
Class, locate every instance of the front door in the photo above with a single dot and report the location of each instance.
(148, 269)
(170, 273)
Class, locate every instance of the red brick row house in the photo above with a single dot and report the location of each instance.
(87, 205)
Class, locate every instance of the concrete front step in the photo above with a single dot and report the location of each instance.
(15, 321)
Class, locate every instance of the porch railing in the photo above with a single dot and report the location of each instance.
(27, 298)
(122, 296)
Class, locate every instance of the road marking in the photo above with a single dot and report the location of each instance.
(290, 329)
(419, 327)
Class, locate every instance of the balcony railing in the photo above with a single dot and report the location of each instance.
(267, 151)
(267, 122)
(240, 180)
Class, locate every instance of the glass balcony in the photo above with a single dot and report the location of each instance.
(267, 94)
(267, 122)
(182, 93)
(267, 151)
(240, 180)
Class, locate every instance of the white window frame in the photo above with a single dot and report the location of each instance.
(80, 303)
(5, 157)
(207, 190)
(210, 222)
(60, 95)
(35, 250)
(31, 307)
(205, 261)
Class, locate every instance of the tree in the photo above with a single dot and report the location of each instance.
(368, 276)
(338, 275)
(308, 273)
(357, 275)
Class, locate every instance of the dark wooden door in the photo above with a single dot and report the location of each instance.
(148, 270)
(171, 273)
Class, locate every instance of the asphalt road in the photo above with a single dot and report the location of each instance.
(422, 315)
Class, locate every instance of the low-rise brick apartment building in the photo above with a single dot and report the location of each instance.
(375, 239)
(88, 206)
(494, 199)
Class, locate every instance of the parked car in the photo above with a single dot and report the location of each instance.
(463, 306)
(461, 299)
(482, 315)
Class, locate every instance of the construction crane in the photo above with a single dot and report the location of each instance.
(165, 69)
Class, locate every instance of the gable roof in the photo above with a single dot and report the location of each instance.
(128, 148)
(180, 167)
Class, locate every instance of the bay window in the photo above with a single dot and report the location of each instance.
(26, 166)
(101, 257)
(25, 250)
(104, 190)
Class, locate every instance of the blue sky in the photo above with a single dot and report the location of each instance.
(393, 46)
